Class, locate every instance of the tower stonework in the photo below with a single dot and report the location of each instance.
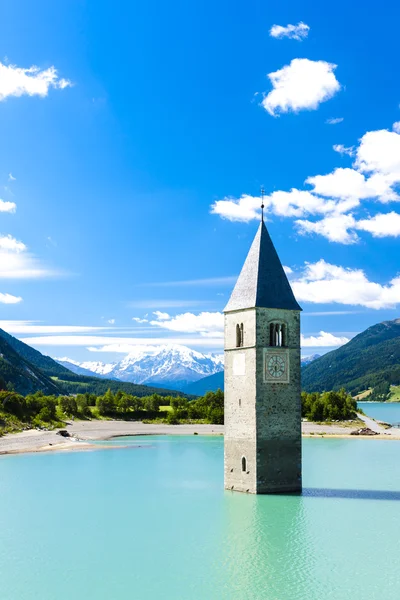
(262, 377)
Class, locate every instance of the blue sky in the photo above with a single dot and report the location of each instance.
(131, 162)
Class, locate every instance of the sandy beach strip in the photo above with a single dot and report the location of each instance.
(85, 432)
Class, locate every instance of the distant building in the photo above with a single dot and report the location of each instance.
(262, 377)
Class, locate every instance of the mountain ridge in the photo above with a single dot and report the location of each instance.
(170, 365)
(27, 371)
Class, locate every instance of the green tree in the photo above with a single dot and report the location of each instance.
(152, 403)
(68, 405)
(106, 404)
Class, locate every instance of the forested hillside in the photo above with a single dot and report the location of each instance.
(369, 359)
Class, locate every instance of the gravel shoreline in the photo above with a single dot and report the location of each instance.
(84, 432)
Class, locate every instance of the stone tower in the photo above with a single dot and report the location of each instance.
(262, 377)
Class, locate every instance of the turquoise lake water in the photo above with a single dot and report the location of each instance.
(383, 411)
(153, 522)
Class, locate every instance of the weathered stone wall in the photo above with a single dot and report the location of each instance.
(262, 419)
(240, 402)
(278, 409)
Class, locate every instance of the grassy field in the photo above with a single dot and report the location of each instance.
(394, 394)
(363, 395)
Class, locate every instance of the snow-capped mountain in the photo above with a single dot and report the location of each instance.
(171, 366)
(87, 368)
(305, 360)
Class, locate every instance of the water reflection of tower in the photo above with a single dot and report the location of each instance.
(267, 551)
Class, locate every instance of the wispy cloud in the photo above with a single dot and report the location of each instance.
(17, 263)
(118, 344)
(297, 32)
(200, 282)
(139, 320)
(329, 313)
(334, 120)
(344, 150)
(11, 177)
(32, 81)
(163, 303)
(34, 327)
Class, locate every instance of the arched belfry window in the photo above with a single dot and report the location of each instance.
(277, 334)
(239, 335)
(244, 466)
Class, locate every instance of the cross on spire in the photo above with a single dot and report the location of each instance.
(262, 204)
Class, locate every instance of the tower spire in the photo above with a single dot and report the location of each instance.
(262, 204)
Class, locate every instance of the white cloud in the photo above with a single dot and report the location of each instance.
(302, 85)
(245, 209)
(323, 340)
(294, 32)
(16, 81)
(9, 207)
(11, 178)
(334, 228)
(205, 323)
(111, 321)
(334, 121)
(343, 149)
(161, 316)
(139, 320)
(324, 283)
(396, 127)
(345, 184)
(381, 225)
(379, 152)
(9, 299)
(295, 203)
(7, 242)
(336, 196)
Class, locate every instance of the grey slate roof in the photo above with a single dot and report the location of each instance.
(262, 282)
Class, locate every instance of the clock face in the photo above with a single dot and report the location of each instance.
(276, 366)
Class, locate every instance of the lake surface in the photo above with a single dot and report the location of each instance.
(153, 522)
(383, 411)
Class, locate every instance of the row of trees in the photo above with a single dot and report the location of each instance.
(38, 408)
(31, 408)
(328, 406)
(208, 408)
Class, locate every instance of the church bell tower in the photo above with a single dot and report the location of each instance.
(262, 377)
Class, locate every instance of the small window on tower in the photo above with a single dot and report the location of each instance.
(244, 467)
(277, 334)
(239, 335)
